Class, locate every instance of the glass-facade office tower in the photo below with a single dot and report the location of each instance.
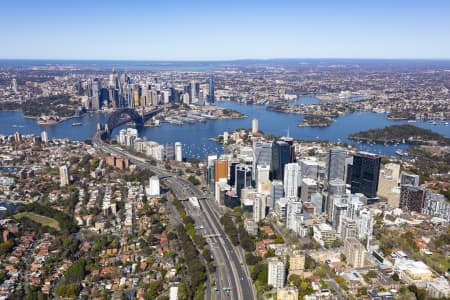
(365, 173)
(243, 178)
(211, 97)
(281, 155)
(336, 163)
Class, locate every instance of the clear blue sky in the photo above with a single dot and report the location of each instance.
(226, 29)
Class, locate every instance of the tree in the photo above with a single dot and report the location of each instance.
(245, 240)
(67, 290)
(194, 180)
(252, 259)
(303, 285)
(310, 263)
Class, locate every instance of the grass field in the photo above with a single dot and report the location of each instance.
(45, 221)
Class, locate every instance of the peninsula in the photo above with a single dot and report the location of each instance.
(401, 134)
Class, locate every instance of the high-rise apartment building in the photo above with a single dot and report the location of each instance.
(309, 187)
(259, 207)
(297, 263)
(291, 180)
(277, 272)
(437, 206)
(63, 176)
(388, 184)
(178, 151)
(255, 128)
(354, 252)
(412, 198)
(276, 192)
(44, 137)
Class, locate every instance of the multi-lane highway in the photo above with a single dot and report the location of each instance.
(232, 277)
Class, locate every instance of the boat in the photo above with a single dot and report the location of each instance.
(76, 124)
(401, 153)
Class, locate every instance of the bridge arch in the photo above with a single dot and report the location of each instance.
(115, 119)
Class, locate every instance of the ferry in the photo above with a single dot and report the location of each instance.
(76, 124)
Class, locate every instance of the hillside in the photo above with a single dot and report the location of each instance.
(397, 133)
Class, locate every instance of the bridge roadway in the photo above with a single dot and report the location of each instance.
(114, 120)
(229, 271)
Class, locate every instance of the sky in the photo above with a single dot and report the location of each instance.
(224, 30)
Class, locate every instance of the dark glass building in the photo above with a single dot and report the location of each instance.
(281, 155)
(243, 178)
(211, 97)
(364, 174)
(412, 198)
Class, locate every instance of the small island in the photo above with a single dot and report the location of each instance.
(316, 121)
(401, 134)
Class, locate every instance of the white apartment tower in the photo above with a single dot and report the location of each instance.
(64, 176)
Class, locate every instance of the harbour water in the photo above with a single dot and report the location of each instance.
(195, 137)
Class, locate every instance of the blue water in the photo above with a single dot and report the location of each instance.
(195, 137)
(61, 130)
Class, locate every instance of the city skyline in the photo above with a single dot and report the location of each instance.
(205, 31)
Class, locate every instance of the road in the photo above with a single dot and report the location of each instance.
(230, 273)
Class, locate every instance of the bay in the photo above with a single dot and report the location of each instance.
(195, 137)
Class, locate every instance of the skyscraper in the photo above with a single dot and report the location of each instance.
(14, 85)
(365, 173)
(63, 176)
(221, 169)
(255, 128)
(243, 178)
(276, 192)
(262, 175)
(95, 99)
(44, 137)
(259, 207)
(211, 97)
(309, 187)
(335, 164)
(169, 152)
(291, 180)
(194, 91)
(178, 151)
(281, 155)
